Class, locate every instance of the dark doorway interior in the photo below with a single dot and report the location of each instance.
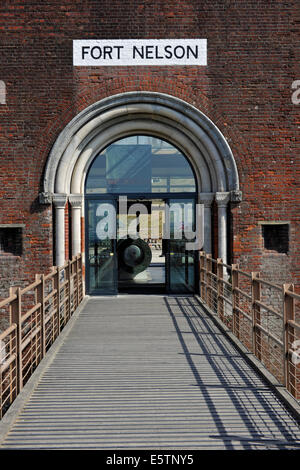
(142, 261)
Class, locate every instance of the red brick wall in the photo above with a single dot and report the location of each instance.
(245, 90)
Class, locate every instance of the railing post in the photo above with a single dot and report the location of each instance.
(220, 289)
(82, 273)
(75, 297)
(62, 287)
(69, 267)
(235, 300)
(13, 375)
(15, 317)
(77, 279)
(74, 274)
(208, 280)
(256, 318)
(57, 288)
(288, 314)
(202, 276)
(40, 298)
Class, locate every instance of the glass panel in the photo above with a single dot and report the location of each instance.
(141, 260)
(101, 263)
(140, 164)
(181, 266)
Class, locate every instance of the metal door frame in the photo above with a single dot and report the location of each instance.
(193, 198)
(113, 291)
(139, 197)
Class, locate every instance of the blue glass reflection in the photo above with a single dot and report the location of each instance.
(140, 164)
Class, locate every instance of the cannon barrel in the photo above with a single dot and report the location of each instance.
(134, 256)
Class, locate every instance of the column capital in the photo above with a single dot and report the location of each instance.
(222, 199)
(206, 199)
(59, 200)
(76, 200)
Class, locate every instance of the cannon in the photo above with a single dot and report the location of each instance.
(134, 257)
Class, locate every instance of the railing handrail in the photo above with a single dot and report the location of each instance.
(7, 300)
(8, 330)
(35, 323)
(293, 294)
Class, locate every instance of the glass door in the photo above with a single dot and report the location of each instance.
(180, 259)
(101, 260)
(141, 259)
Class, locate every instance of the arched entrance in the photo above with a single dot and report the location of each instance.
(141, 197)
(140, 113)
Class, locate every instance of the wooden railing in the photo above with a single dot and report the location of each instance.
(264, 316)
(38, 313)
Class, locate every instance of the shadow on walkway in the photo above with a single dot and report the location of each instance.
(246, 391)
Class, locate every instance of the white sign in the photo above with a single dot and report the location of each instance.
(93, 52)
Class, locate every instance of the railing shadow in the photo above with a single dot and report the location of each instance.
(253, 386)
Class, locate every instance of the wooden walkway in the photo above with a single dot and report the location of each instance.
(150, 372)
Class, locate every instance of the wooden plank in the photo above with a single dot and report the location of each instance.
(150, 372)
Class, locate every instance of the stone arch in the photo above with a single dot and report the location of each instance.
(130, 113)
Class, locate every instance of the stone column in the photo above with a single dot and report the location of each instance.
(76, 204)
(222, 200)
(206, 199)
(59, 201)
